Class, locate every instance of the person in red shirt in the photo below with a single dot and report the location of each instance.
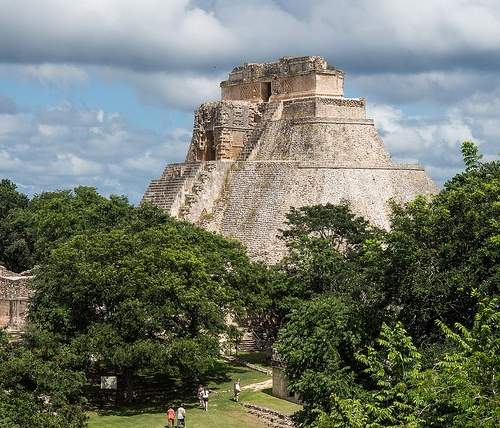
(170, 417)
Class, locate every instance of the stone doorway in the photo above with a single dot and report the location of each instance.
(265, 90)
(210, 154)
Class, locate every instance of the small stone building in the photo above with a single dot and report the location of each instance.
(280, 381)
(14, 296)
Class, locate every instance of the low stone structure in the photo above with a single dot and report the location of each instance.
(14, 296)
(271, 418)
(280, 381)
(283, 135)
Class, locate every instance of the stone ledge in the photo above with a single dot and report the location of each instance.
(335, 120)
(310, 165)
(271, 417)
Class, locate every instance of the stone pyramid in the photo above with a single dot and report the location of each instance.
(282, 136)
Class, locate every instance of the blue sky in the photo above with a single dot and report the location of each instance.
(102, 92)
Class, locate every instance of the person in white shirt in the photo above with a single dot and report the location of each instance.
(181, 417)
(205, 398)
(237, 390)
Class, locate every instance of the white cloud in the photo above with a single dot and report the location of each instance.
(181, 90)
(66, 146)
(431, 86)
(178, 34)
(435, 141)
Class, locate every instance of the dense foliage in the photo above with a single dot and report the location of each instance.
(118, 290)
(348, 282)
(37, 387)
(459, 390)
(328, 249)
(29, 230)
(153, 298)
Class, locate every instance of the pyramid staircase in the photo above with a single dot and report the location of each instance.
(164, 192)
(268, 113)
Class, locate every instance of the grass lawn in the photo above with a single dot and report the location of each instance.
(265, 399)
(222, 411)
(257, 357)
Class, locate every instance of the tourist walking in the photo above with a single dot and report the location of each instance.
(170, 417)
(237, 390)
(205, 398)
(181, 417)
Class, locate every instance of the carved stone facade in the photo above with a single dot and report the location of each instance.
(222, 129)
(14, 296)
(283, 135)
(290, 77)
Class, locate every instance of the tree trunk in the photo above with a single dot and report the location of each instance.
(129, 386)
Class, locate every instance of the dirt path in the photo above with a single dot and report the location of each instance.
(259, 385)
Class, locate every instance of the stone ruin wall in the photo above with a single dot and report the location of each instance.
(222, 129)
(287, 78)
(299, 161)
(14, 296)
(249, 200)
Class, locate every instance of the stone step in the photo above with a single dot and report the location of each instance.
(163, 192)
(271, 417)
(254, 138)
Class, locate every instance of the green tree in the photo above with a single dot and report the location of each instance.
(460, 389)
(150, 300)
(30, 232)
(36, 389)
(439, 249)
(14, 250)
(327, 246)
(471, 155)
(317, 346)
(10, 198)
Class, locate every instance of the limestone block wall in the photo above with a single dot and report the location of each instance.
(324, 107)
(280, 386)
(244, 91)
(206, 193)
(14, 296)
(221, 129)
(169, 191)
(283, 87)
(249, 200)
(288, 78)
(328, 86)
(344, 141)
(348, 108)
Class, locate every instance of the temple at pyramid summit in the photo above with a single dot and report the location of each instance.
(283, 135)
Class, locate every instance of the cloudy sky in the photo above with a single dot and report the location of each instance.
(102, 92)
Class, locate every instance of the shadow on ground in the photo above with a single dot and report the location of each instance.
(154, 395)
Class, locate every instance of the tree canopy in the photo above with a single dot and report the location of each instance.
(437, 266)
(374, 327)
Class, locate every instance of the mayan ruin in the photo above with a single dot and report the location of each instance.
(14, 297)
(283, 135)
(249, 214)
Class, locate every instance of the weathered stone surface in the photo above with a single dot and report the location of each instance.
(253, 157)
(271, 417)
(14, 295)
